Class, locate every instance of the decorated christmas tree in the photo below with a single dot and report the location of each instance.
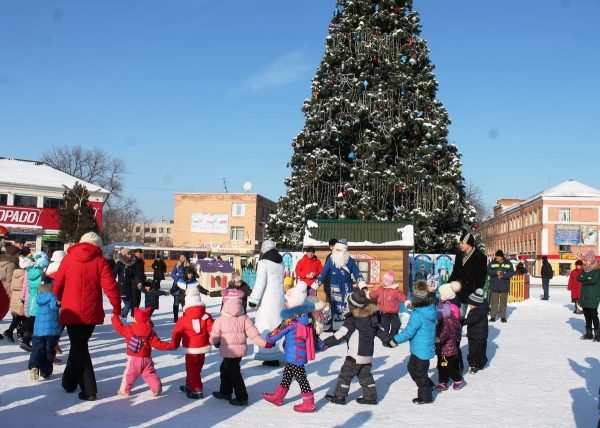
(374, 145)
(76, 217)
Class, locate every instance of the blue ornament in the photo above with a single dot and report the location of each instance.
(403, 59)
(351, 155)
(365, 84)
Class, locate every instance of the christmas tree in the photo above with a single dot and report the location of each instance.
(374, 145)
(76, 217)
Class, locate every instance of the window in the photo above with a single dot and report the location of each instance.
(363, 267)
(161, 230)
(237, 233)
(564, 248)
(138, 229)
(25, 201)
(3, 199)
(55, 203)
(238, 210)
(564, 214)
(153, 230)
(146, 230)
(168, 230)
(149, 240)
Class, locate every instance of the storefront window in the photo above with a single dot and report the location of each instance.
(55, 203)
(25, 201)
(3, 199)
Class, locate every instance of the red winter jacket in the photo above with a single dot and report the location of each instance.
(388, 298)
(306, 266)
(4, 301)
(144, 335)
(194, 328)
(78, 285)
(574, 285)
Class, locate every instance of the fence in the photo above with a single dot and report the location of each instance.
(249, 276)
(519, 288)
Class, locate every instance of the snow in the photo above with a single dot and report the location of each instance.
(540, 374)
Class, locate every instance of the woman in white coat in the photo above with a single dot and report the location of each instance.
(268, 296)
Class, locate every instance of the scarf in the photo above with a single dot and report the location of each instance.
(467, 256)
(307, 333)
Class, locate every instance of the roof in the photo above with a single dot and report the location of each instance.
(34, 173)
(571, 188)
(359, 233)
(206, 266)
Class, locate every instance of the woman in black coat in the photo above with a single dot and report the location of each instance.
(160, 267)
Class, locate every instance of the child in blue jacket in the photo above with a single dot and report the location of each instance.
(46, 332)
(420, 331)
(298, 345)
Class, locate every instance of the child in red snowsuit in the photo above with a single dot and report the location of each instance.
(141, 338)
(388, 297)
(193, 329)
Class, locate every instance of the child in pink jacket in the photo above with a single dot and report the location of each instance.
(388, 297)
(141, 338)
(229, 334)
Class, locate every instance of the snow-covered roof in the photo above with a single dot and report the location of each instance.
(34, 173)
(571, 188)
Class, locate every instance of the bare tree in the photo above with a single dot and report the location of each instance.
(97, 167)
(474, 196)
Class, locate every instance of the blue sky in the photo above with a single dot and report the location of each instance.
(189, 92)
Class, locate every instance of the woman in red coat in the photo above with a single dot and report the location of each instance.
(575, 286)
(78, 285)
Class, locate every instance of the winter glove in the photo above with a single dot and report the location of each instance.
(269, 345)
(392, 344)
(362, 285)
(408, 304)
(252, 305)
(321, 345)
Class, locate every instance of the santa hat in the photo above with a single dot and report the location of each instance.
(388, 278)
(142, 315)
(192, 298)
(296, 295)
(448, 291)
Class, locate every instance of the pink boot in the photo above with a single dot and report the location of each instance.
(308, 403)
(276, 397)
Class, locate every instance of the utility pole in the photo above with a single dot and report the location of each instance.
(225, 185)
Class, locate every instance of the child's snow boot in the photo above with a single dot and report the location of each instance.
(458, 384)
(277, 396)
(335, 399)
(441, 387)
(587, 335)
(597, 335)
(308, 403)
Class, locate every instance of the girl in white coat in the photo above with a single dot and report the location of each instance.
(268, 296)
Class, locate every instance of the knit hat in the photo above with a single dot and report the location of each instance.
(420, 292)
(476, 298)
(341, 245)
(192, 298)
(388, 278)
(92, 238)
(124, 251)
(142, 315)
(288, 281)
(332, 241)
(448, 291)
(232, 301)
(589, 256)
(296, 295)
(267, 245)
(357, 300)
(499, 253)
(12, 250)
(467, 238)
(57, 256)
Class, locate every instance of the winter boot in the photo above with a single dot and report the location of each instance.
(308, 403)
(458, 384)
(441, 387)
(335, 399)
(587, 335)
(276, 397)
(597, 335)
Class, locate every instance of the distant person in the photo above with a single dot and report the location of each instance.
(575, 286)
(140, 276)
(520, 269)
(178, 274)
(160, 268)
(590, 296)
(500, 270)
(470, 269)
(124, 271)
(547, 274)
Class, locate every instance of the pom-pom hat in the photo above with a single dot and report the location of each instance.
(476, 298)
(296, 295)
(388, 278)
(448, 291)
(192, 298)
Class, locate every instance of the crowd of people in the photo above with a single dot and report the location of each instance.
(65, 291)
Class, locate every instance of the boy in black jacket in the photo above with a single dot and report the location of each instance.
(151, 295)
(359, 330)
(477, 330)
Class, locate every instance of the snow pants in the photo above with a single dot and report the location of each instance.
(136, 367)
(42, 354)
(477, 353)
(417, 369)
(351, 369)
(231, 378)
(193, 367)
(449, 370)
(391, 323)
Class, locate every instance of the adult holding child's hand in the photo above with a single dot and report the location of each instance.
(78, 285)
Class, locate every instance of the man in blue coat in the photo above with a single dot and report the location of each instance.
(342, 269)
(500, 271)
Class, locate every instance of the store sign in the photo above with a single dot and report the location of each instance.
(20, 215)
(49, 238)
(572, 234)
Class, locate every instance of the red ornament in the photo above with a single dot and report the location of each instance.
(475, 226)
(364, 217)
(410, 41)
(344, 193)
(397, 10)
(434, 164)
(294, 144)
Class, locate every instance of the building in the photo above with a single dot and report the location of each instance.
(230, 225)
(561, 223)
(376, 246)
(158, 234)
(30, 194)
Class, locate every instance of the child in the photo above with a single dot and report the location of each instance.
(575, 286)
(151, 295)
(179, 288)
(46, 332)
(193, 328)
(590, 296)
(141, 338)
(420, 330)
(448, 333)
(358, 331)
(34, 273)
(298, 348)
(229, 334)
(236, 283)
(388, 298)
(477, 330)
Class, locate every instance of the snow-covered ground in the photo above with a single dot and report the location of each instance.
(540, 375)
